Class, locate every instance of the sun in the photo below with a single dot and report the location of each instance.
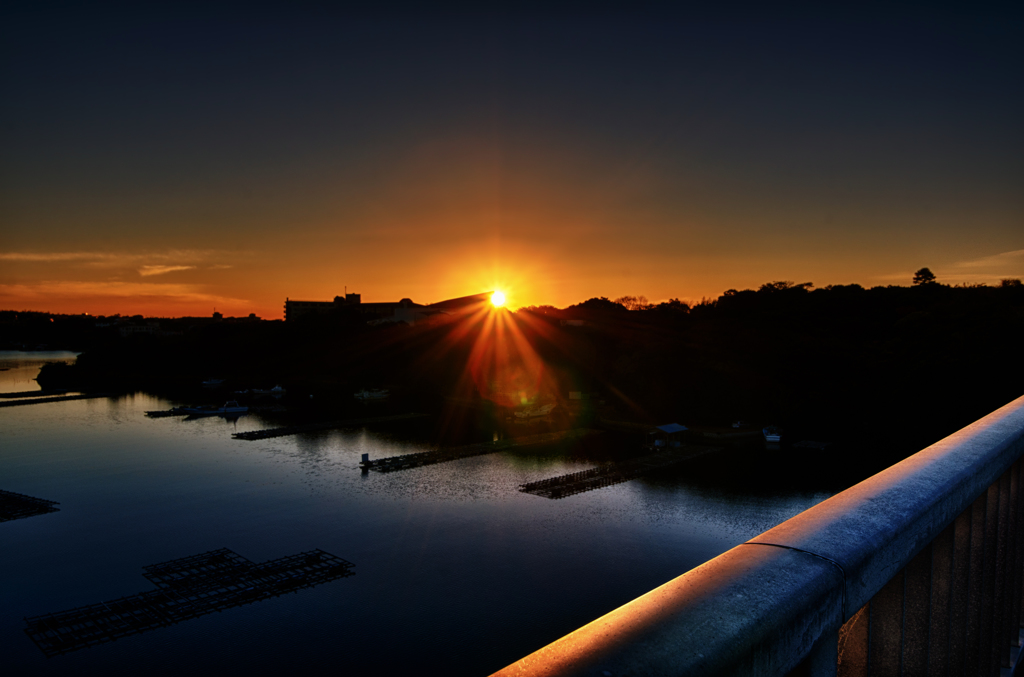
(498, 299)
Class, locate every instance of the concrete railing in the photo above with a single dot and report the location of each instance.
(915, 571)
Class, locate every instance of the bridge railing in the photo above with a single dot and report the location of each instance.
(916, 570)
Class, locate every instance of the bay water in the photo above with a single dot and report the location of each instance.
(456, 571)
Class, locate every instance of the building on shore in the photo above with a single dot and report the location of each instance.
(405, 310)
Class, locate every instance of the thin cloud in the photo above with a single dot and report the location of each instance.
(147, 271)
(50, 257)
(1014, 258)
(894, 277)
(945, 277)
(985, 270)
(974, 278)
(171, 257)
(175, 293)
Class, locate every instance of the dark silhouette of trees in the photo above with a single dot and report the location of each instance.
(673, 305)
(782, 286)
(540, 310)
(924, 276)
(840, 362)
(599, 304)
(634, 302)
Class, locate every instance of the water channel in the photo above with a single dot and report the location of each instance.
(457, 572)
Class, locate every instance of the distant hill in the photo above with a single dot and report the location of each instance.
(844, 361)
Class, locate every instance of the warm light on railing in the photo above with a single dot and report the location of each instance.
(915, 570)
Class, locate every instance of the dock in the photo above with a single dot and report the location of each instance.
(420, 459)
(32, 393)
(19, 506)
(186, 588)
(316, 427)
(165, 413)
(179, 411)
(611, 473)
(44, 400)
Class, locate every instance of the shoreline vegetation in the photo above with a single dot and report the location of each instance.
(882, 368)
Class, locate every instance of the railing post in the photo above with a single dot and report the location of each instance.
(975, 586)
(1013, 629)
(917, 609)
(886, 639)
(988, 589)
(940, 616)
(1000, 648)
(958, 621)
(1016, 476)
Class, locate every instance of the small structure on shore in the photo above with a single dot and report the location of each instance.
(666, 436)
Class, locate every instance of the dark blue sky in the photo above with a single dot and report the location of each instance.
(198, 157)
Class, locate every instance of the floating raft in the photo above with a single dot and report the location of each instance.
(44, 400)
(187, 588)
(314, 427)
(610, 473)
(18, 506)
(408, 461)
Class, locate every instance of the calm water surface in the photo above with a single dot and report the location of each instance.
(457, 573)
(20, 368)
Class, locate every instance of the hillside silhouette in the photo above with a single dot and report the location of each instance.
(886, 363)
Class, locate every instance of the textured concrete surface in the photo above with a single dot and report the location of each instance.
(875, 528)
(762, 607)
(721, 618)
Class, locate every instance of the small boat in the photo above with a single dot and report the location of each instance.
(367, 395)
(230, 407)
(276, 391)
(532, 412)
(772, 433)
(213, 382)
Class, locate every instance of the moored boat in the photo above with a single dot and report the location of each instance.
(367, 395)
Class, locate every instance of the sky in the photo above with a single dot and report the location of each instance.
(173, 161)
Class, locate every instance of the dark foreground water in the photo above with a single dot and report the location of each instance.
(457, 573)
